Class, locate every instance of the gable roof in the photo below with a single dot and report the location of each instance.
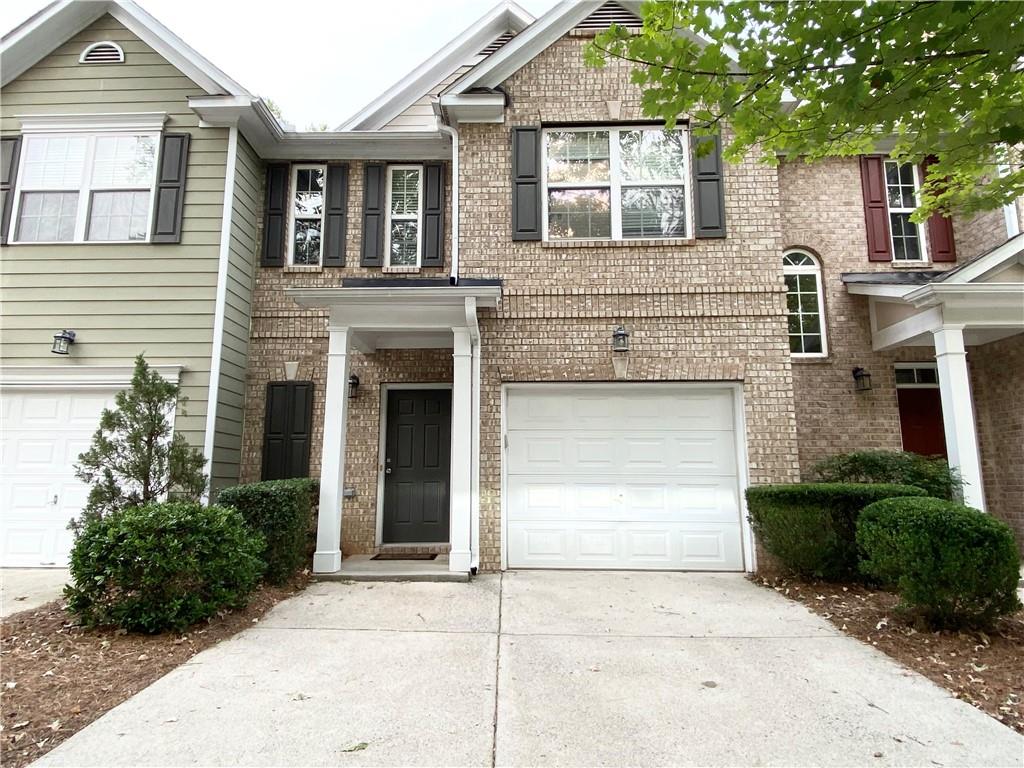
(467, 48)
(39, 35)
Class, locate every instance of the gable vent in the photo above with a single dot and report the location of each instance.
(608, 14)
(102, 53)
(496, 44)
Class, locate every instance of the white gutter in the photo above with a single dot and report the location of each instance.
(220, 305)
(454, 133)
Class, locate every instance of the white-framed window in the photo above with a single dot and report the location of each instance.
(902, 186)
(404, 215)
(917, 375)
(307, 220)
(620, 183)
(85, 187)
(805, 305)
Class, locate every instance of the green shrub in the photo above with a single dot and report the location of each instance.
(812, 527)
(953, 566)
(161, 566)
(281, 510)
(932, 473)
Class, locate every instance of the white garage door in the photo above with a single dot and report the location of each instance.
(630, 476)
(41, 434)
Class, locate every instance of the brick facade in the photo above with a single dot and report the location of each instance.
(698, 310)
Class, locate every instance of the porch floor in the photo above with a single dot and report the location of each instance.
(363, 568)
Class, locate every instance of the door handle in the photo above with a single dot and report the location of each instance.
(387, 471)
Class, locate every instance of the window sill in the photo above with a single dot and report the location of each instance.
(644, 242)
(303, 268)
(81, 242)
(910, 264)
(400, 270)
(805, 359)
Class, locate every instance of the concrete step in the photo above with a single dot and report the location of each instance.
(363, 568)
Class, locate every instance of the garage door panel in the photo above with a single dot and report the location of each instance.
(582, 498)
(557, 452)
(622, 477)
(611, 545)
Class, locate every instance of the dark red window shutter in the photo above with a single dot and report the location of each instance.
(940, 229)
(876, 210)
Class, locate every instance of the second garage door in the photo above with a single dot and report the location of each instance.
(631, 476)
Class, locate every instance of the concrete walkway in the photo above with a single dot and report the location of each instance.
(543, 668)
(22, 589)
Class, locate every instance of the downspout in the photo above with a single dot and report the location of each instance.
(220, 307)
(453, 277)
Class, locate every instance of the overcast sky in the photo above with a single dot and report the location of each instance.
(319, 60)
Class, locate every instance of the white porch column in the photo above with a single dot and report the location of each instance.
(332, 463)
(958, 411)
(461, 496)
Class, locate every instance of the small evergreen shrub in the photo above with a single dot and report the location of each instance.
(953, 566)
(812, 527)
(280, 510)
(160, 567)
(932, 473)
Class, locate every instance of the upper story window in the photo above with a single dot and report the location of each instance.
(902, 183)
(804, 305)
(404, 213)
(85, 188)
(307, 214)
(615, 183)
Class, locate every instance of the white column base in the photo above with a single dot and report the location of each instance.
(327, 562)
(460, 562)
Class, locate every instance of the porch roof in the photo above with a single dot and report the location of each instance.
(984, 298)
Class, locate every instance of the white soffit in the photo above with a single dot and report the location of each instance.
(41, 34)
(507, 16)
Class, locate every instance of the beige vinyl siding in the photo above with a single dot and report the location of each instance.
(419, 116)
(245, 213)
(121, 300)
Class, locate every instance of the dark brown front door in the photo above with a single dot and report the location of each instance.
(921, 420)
(417, 466)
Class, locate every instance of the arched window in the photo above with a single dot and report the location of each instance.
(804, 304)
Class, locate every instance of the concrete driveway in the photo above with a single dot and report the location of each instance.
(22, 589)
(543, 668)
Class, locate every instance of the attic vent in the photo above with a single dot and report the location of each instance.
(499, 41)
(102, 53)
(608, 14)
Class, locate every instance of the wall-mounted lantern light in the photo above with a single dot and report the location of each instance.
(620, 339)
(62, 341)
(353, 385)
(861, 380)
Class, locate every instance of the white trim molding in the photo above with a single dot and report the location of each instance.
(80, 376)
(104, 122)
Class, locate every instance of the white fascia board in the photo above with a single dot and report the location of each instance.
(57, 377)
(148, 122)
(969, 295)
(544, 32)
(487, 296)
(457, 52)
(880, 291)
(40, 35)
(272, 142)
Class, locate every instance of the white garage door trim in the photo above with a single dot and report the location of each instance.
(65, 382)
(739, 422)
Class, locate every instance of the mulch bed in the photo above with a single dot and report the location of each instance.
(58, 677)
(984, 669)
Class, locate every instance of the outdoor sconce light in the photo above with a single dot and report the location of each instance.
(620, 339)
(61, 342)
(861, 380)
(353, 385)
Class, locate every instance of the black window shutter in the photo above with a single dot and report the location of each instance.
(336, 215)
(526, 191)
(374, 189)
(10, 149)
(433, 215)
(169, 205)
(274, 215)
(287, 430)
(709, 189)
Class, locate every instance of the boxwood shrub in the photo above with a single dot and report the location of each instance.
(932, 473)
(812, 527)
(280, 510)
(953, 566)
(161, 567)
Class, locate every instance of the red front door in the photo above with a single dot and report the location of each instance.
(921, 420)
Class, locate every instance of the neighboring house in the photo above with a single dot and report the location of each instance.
(501, 315)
